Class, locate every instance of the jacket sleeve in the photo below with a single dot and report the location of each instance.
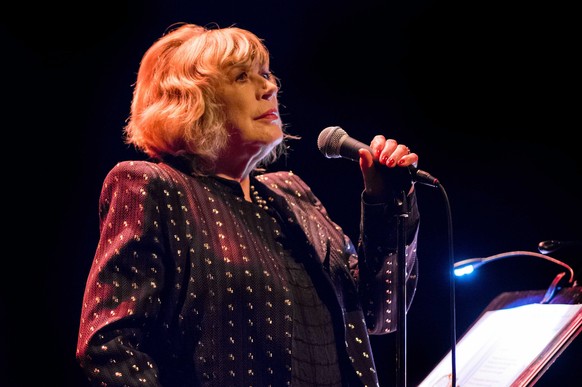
(125, 282)
(376, 265)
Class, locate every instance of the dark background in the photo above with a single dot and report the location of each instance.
(484, 92)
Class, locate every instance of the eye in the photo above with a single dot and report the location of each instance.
(242, 76)
(268, 75)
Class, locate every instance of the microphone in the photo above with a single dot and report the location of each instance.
(334, 142)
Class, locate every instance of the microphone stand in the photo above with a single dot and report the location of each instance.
(401, 292)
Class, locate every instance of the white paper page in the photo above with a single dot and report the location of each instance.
(502, 344)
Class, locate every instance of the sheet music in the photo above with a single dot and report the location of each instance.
(503, 343)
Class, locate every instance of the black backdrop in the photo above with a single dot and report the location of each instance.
(484, 92)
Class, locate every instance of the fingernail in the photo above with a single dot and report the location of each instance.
(391, 162)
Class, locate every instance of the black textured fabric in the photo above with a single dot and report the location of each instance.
(313, 352)
(189, 288)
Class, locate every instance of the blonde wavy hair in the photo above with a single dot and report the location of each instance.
(175, 110)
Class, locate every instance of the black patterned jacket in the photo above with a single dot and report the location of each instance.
(185, 288)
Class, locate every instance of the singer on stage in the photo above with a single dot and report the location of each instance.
(212, 270)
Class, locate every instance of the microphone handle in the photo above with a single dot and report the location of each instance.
(349, 148)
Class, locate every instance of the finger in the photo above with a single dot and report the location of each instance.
(366, 160)
(408, 159)
(401, 151)
(403, 156)
(377, 145)
(386, 155)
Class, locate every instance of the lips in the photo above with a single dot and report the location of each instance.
(271, 114)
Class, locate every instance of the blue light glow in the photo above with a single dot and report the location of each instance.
(463, 270)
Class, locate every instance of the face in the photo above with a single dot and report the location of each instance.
(250, 97)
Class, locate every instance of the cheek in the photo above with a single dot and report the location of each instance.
(235, 119)
(237, 112)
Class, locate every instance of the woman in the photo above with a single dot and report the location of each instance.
(210, 271)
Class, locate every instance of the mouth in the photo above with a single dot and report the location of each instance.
(271, 114)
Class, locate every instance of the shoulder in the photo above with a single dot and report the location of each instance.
(146, 182)
(133, 167)
(142, 169)
(141, 173)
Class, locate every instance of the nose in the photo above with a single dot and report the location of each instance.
(269, 89)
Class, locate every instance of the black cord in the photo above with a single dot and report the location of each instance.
(453, 318)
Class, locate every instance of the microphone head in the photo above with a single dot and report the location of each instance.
(329, 141)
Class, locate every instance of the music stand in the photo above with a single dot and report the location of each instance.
(485, 351)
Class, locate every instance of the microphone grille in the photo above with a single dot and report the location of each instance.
(329, 141)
